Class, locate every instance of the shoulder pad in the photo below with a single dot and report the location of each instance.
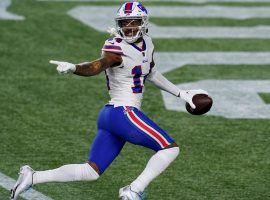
(111, 45)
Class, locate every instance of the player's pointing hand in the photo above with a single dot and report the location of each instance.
(64, 67)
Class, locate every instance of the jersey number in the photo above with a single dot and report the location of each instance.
(137, 72)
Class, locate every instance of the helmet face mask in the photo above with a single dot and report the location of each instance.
(131, 21)
(131, 29)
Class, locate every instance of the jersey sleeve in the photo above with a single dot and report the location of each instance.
(112, 46)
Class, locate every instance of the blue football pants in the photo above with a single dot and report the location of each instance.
(118, 125)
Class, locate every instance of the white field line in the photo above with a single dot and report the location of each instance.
(257, 32)
(186, 1)
(4, 14)
(187, 11)
(211, 12)
(101, 17)
(8, 183)
(168, 61)
(237, 99)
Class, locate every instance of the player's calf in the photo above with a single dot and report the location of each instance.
(155, 166)
(66, 173)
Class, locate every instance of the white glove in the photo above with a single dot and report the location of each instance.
(187, 95)
(64, 67)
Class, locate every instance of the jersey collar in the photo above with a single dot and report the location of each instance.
(138, 48)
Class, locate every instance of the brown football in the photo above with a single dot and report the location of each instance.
(202, 102)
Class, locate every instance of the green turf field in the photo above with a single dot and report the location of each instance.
(49, 120)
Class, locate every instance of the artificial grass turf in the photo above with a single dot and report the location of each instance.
(49, 120)
(265, 97)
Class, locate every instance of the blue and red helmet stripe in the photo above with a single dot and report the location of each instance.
(128, 7)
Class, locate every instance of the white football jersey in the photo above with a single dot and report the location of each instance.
(126, 81)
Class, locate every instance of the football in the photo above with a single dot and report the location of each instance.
(203, 104)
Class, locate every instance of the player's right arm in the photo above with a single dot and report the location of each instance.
(95, 67)
(107, 60)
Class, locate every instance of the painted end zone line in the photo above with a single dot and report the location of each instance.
(170, 61)
(7, 183)
(100, 18)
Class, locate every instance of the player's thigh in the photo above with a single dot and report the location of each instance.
(105, 148)
(145, 132)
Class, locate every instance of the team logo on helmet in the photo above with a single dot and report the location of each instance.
(128, 7)
(142, 8)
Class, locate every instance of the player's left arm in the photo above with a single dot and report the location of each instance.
(159, 80)
(163, 83)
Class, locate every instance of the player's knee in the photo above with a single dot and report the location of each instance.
(174, 149)
(95, 168)
(177, 151)
(172, 145)
(95, 178)
(175, 145)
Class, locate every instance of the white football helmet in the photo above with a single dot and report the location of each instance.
(132, 11)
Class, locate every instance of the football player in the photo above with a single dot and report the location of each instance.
(127, 60)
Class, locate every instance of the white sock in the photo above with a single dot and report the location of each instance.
(66, 173)
(157, 164)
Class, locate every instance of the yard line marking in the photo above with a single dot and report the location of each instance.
(8, 183)
(4, 14)
(235, 99)
(235, 12)
(101, 17)
(257, 32)
(168, 61)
